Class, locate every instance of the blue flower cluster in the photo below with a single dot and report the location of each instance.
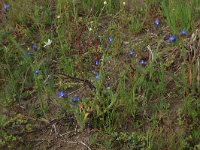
(171, 37)
(75, 99)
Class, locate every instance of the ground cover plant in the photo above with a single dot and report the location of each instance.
(93, 74)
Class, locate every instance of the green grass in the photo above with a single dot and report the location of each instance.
(131, 106)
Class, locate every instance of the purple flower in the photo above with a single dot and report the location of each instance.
(172, 38)
(29, 53)
(132, 53)
(5, 6)
(61, 94)
(110, 39)
(36, 72)
(97, 62)
(75, 99)
(97, 76)
(33, 46)
(142, 62)
(184, 32)
(157, 22)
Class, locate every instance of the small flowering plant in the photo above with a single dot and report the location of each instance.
(36, 72)
(157, 22)
(97, 62)
(5, 6)
(29, 54)
(61, 94)
(97, 76)
(34, 47)
(110, 39)
(75, 99)
(184, 32)
(142, 62)
(132, 53)
(172, 38)
(48, 43)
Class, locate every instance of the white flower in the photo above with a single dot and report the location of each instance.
(90, 29)
(105, 3)
(124, 3)
(48, 43)
(58, 17)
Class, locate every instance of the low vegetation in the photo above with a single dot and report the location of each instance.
(92, 74)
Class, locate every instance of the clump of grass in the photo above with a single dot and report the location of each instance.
(178, 15)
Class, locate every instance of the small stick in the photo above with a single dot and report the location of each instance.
(149, 48)
(54, 127)
(81, 142)
(85, 145)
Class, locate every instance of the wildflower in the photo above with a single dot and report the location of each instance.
(172, 38)
(110, 39)
(132, 53)
(97, 62)
(48, 43)
(58, 17)
(124, 3)
(157, 22)
(33, 46)
(61, 94)
(142, 62)
(75, 99)
(105, 3)
(97, 76)
(29, 53)
(184, 32)
(90, 29)
(36, 72)
(5, 6)
(108, 88)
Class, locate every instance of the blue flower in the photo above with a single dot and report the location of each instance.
(157, 22)
(142, 62)
(184, 32)
(61, 94)
(5, 6)
(97, 62)
(29, 53)
(75, 99)
(132, 53)
(172, 38)
(33, 46)
(97, 76)
(110, 39)
(36, 72)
